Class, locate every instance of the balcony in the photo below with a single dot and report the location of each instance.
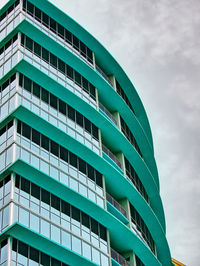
(111, 155)
(116, 204)
(118, 258)
(104, 75)
(105, 110)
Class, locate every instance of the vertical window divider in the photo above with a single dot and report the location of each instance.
(14, 139)
(12, 190)
(17, 89)
(19, 46)
(9, 251)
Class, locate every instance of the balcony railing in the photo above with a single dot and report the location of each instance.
(104, 75)
(116, 204)
(105, 110)
(117, 257)
(111, 155)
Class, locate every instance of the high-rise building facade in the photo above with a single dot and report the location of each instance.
(79, 183)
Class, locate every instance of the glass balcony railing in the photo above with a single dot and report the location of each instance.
(118, 258)
(105, 110)
(111, 155)
(104, 75)
(116, 204)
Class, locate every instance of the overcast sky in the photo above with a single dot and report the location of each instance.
(157, 43)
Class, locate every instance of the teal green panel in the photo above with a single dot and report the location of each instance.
(116, 213)
(105, 156)
(114, 263)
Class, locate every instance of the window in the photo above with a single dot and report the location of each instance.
(128, 134)
(58, 29)
(42, 196)
(27, 255)
(59, 151)
(130, 172)
(59, 64)
(141, 226)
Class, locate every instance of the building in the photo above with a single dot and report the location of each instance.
(79, 183)
(177, 263)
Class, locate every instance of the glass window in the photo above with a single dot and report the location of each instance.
(35, 136)
(5, 214)
(45, 259)
(45, 19)
(45, 228)
(34, 222)
(62, 107)
(65, 208)
(73, 159)
(83, 49)
(35, 191)
(53, 101)
(63, 154)
(86, 250)
(103, 232)
(27, 84)
(45, 54)
(70, 72)
(60, 30)
(23, 217)
(95, 256)
(71, 113)
(55, 233)
(53, 60)
(55, 262)
(75, 214)
(30, 7)
(85, 220)
(76, 244)
(75, 42)
(54, 148)
(34, 254)
(37, 49)
(92, 90)
(91, 172)
(38, 14)
(89, 54)
(68, 36)
(4, 250)
(29, 43)
(36, 89)
(66, 239)
(79, 119)
(61, 65)
(45, 96)
(55, 202)
(45, 142)
(94, 226)
(25, 185)
(53, 25)
(77, 78)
